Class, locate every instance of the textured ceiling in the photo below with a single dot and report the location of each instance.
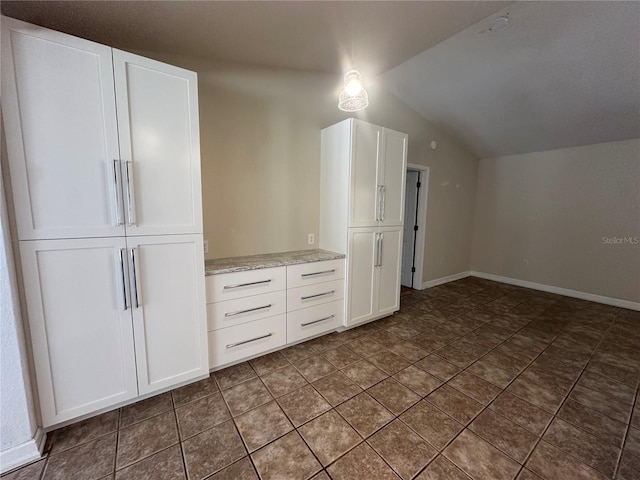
(560, 74)
(314, 35)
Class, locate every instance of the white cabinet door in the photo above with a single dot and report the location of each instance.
(169, 311)
(361, 303)
(159, 145)
(60, 119)
(81, 329)
(365, 157)
(392, 176)
(388, 272)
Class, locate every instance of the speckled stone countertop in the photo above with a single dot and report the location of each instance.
(268, 260)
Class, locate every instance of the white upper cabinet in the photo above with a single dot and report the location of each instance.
(378, 164)
(60, 120)
(365, 164)
(101, 142)
(159, 146)
(392, 173)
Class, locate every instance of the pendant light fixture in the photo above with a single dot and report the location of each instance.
(353, 96)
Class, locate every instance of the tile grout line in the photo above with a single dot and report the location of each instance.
(451, 378)
(486, 407)
(386, 348)
(115, 456)
(513, 380)
(626, 433)
(540, 438)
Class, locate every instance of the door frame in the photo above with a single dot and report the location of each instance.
(422, 222)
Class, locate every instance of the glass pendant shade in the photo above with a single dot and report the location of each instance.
(353, 96)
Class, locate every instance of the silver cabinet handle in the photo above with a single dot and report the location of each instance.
(379, 204)
(304, 275)
(233, 314)
(383, 190)
(131, 206)
(227, 287)
(377, 250)
(318, 321)
(134, 276)
(124, 281)
(117, 192)
(231, 345)
(378, 259)
(308, 297)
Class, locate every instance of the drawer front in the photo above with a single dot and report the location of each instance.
(228, 286)
(312, 321)
(314, 272)
(316, 294)
(241, 341)
(246, 309)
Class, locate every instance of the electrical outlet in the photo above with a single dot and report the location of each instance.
(312, 239)
(206, 246)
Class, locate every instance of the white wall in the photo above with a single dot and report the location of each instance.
(17, 418)
(545, 217)
(260, 145)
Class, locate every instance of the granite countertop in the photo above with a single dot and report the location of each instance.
(268, 260)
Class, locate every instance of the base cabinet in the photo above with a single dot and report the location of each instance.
(361, 281)
(111, 319)
(373, 278)
(256, 311)
(168, 308)
(81, 329)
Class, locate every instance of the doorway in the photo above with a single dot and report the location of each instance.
(415, 208)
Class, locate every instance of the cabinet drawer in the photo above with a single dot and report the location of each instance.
(316, 294)
(312, 321)
(241, 341)
(228, 286)
(246, 309)
(315, 272)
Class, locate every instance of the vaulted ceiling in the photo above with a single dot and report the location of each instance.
(301, 35)
(558, 74)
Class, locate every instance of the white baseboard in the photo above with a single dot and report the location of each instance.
(616, 302)
(447, 279)
(24, 453)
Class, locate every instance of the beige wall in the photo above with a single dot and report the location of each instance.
(541, 217)
(260, 143)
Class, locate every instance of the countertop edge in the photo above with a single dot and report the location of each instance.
(272, 263)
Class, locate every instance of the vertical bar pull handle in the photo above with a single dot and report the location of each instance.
(383, 191)
(379, 204)
(377, 247)
(133, 275)
(380, 244)
(131, 205)
(124, 281)
(117, 192)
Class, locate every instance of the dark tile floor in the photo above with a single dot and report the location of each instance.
(470, 379)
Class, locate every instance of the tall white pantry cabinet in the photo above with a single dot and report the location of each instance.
(104, 161)
(363, 170)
